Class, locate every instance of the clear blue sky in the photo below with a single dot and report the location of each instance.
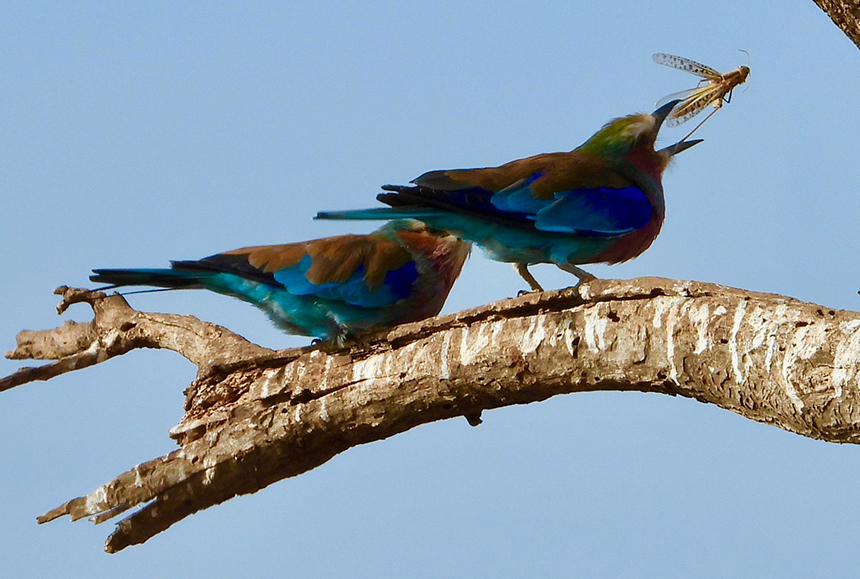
(137, 133)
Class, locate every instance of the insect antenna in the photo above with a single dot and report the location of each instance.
(749, 66)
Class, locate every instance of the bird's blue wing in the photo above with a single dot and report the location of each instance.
(354, 290)
(595, 211)
(601, 212)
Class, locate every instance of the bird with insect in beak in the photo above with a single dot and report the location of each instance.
(600, 203)
(331, 288)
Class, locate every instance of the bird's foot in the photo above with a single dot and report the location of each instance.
(584, 276)
(523, 270)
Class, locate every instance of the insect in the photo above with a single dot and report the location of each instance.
(715, 88)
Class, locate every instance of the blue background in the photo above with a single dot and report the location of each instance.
(136, 133)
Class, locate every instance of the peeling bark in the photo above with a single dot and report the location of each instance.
(255, 416)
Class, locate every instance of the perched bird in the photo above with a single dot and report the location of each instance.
(601, 203)
(328, 288)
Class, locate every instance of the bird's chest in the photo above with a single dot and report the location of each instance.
(631, 244)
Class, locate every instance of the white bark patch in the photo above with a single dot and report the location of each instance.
(270, 379)
(778, 317)
(568, 333)
(109, 341)
(661, 306)
(585, 291)
(96, 350)
(671, 322)
(472, 347)
(300, 372)
(790, 390)
(328, 364)
(762, 325)
(771, 348)
(96, 498)
(444, 370)
(845, 357)
(323, 411)
(534, 335)
(138, 480)
(806, 341)
(368, 369)
(497, 329)
(416, 360)
(812, 338)
(560, 334)
(682, 287)
(699, 317)
(595, 328)
(668, 307)
(733, 342)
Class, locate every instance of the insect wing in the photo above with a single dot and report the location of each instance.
(681, 95)
(691, 66)
(692, 105)
(674, 121)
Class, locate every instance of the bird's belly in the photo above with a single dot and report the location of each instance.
(298, 314)
(528, 246)
(545, 247)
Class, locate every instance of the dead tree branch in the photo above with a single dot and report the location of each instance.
(255, 416)
(845, 14)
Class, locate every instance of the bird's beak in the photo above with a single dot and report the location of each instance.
(678, 147)
(663, 112)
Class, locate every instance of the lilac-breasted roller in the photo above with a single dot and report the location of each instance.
(328, 288)
(600, 203)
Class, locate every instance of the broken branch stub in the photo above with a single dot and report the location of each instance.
(255, 416)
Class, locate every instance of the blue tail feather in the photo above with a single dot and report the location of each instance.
(379, 213)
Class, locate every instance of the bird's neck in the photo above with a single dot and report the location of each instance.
(445, 255)
(649, 162)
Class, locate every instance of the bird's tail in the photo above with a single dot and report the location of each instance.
(162, 278)
(378, 213)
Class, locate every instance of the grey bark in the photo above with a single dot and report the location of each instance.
(254, 416)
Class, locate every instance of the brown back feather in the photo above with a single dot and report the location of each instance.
(561, 172)
(334, 259)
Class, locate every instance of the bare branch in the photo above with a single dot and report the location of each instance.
(845, 14)
(255, 416)
(116, 329)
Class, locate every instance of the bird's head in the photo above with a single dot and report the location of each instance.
(438, 255)
(633, 137)
(442, 248)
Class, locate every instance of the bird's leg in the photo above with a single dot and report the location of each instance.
(583, 275)
(523, 270)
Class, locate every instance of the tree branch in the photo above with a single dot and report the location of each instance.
(845, 14)
(255, 416)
